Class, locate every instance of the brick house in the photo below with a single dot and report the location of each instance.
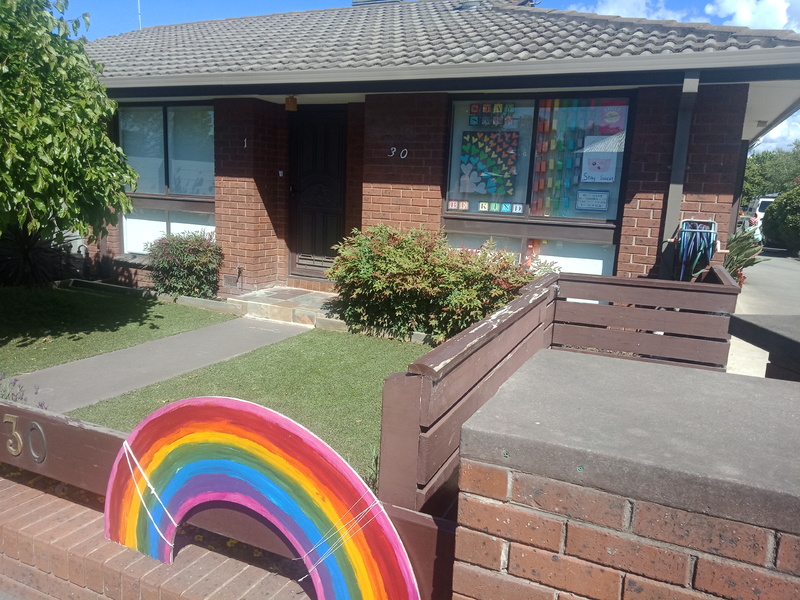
(579, 137)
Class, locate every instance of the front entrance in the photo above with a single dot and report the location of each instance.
(318, 150)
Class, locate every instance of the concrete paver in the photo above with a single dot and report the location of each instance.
(84, 382)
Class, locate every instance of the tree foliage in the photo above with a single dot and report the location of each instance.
(771, 172)
(59, 170)
(782, 220)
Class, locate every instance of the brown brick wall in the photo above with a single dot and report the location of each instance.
(251, 196)
(53, 548)
(549, 539)
(709, 189)
(405, 192)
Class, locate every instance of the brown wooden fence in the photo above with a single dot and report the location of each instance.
(642, 319)
(671, 321)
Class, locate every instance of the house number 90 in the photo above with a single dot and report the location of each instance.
(393, 152)
(16, 444)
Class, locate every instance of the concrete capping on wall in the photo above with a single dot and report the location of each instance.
(705, 442)
(623, 480)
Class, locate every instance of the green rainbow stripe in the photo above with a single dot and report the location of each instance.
(210, 449)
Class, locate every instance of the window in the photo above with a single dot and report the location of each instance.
(143, 226)
(558, 158)
(172, 150)
(180, 163)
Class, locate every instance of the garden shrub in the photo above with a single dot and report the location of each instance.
(743, 251)
(392, 282)
(29, 258)
(186, 264)
(782, 220)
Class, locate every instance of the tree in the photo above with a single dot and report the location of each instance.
(59, 170)
(782, 220)
(771, 172)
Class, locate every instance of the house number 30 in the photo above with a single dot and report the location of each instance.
(16, 444)
(393, 152)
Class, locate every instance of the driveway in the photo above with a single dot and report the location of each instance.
(772, 288)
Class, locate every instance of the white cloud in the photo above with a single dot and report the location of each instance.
(757, 14)
(783, 136)
(648, 9)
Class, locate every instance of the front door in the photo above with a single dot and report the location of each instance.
(318, 149)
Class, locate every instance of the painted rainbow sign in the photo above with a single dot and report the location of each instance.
(213, 449)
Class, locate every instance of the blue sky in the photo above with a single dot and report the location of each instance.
(110, 17)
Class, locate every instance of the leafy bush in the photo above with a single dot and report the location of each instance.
(743, 251)
(782, 220)
(395, 283)
(28, 258)
(186, 264)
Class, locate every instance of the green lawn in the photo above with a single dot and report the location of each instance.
(43, 327)
(329, 382)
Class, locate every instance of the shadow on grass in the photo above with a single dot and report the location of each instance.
(31, 314)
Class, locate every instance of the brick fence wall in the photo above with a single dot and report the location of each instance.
(526, 536)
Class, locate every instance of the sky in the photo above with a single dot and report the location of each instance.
(110, 17)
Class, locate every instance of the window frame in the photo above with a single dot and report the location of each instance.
(588, 230)
(167, 202)
(168, 195)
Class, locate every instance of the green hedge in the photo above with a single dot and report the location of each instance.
(394, 283)
(782, 220)
(186, 264)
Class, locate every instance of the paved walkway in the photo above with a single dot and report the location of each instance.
(771, 288)
(84, 382)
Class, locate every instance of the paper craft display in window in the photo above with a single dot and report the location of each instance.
(489, 162)
(600, 157)
(578, 141)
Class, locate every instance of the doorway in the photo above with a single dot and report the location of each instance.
(318, 148)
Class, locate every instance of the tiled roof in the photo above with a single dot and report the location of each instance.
(408, 34)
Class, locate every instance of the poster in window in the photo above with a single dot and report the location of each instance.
(600, 157)
(488, 162)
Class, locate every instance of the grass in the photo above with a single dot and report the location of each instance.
(43, 327)
(329, 382)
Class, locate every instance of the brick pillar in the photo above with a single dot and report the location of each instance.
(711, 178)
(647, 185)
(353, 203)
(250, 151)
(405, 159)
(714, 156)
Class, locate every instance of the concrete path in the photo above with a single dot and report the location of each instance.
(772, 288)
(87, 381)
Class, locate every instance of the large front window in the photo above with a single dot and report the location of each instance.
(539, 176)
(558, 158)
(172, 150)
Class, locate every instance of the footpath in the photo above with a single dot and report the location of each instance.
(84, 382)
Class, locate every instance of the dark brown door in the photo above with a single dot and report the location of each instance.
(318, 149)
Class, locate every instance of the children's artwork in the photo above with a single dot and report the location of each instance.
(489, 162)
(612, 119)
(600, 158)
(210, 450)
